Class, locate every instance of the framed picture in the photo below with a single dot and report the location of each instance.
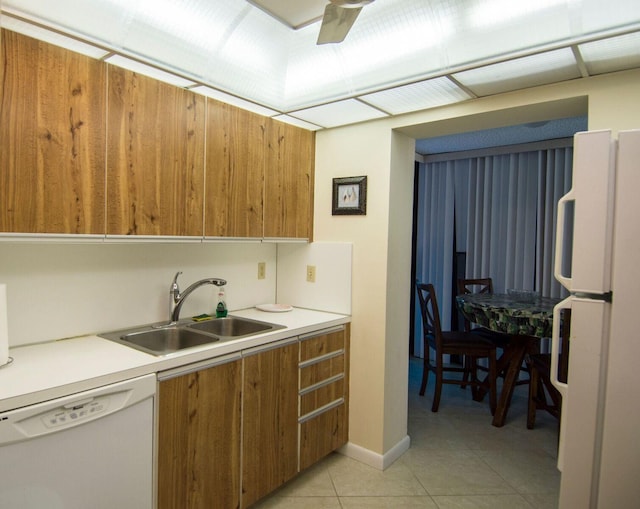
(349, 196)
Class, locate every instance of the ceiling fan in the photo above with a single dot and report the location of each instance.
(339, 17)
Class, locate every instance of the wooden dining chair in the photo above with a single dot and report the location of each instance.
(461, 343)
(480, 285)
(542, 394)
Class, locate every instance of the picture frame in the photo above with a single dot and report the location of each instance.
(349, 196)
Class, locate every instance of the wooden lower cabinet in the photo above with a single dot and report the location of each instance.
(199, 438)
(270, 411)
(235, 429)
(324, 394)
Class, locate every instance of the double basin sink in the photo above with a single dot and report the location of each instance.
(166, 339)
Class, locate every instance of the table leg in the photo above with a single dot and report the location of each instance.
(514, 357)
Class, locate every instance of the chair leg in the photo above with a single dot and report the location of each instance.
(438, 391)
(533, 396)
(493, 382)
(466, 375)
(425, 373)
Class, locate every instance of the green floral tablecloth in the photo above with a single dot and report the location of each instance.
(508, 314)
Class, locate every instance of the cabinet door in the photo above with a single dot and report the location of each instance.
(199, 439)
(269, 417)
(155, 157)
(288, 207)
(52, 120)
(324, 386)
(234, 171)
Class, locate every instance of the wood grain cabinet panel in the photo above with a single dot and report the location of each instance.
(52, 120)
(323, 434)
(270, 421)
(199, 439)
(236, 144)
(155, 157)
(288, 206)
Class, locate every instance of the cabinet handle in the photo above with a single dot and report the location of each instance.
(315, 334)
(197, 366)
(321, 410)
(323, 383)
(316, 360)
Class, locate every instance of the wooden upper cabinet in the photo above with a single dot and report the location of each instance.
(236, 141)
(155, 157)
(288, 209)
(52, 125)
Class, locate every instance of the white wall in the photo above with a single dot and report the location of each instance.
(381, 280)
(59, 290)
(63, 290)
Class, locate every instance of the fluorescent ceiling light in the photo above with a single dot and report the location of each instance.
(42, 34)
(235, 101)
(494, 12)
(418, 96)
(609, 55)
(297, 122)
(147, 70)
(523, 72)
(338, 113)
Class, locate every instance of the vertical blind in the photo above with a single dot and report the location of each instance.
(502, 210)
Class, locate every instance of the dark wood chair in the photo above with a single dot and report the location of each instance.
(481, 285)
(542, 394)
(461, 343)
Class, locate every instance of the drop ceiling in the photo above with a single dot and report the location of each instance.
(400, 56)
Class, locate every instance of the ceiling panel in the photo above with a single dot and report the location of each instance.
(417, 96)
(338, 113)
(521, 73)
(610, 55)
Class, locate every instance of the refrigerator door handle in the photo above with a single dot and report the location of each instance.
(560, 225)
(555, 345)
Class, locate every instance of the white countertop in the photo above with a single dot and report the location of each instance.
(54, 369)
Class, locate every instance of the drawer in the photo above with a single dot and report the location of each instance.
(320, 371)
(323, 395)
(321, 345)
(322, 434)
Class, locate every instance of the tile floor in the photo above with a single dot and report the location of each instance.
(457, 460)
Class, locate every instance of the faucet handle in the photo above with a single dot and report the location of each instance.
(174, 284)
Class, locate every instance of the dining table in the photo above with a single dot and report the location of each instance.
(524, 319)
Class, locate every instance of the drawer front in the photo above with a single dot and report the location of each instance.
(323, 395)
(322, 434)
(321, 345)
(321, 371)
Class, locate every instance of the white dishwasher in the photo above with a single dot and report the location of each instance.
(92, 449)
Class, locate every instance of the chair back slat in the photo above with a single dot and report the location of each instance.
(430, 313)
(477, 285)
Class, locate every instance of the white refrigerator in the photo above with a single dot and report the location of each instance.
(599, 448)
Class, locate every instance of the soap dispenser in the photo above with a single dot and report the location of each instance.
(221, 308)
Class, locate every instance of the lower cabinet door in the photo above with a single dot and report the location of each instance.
(322, 434)
(199, 439)
(270, 421)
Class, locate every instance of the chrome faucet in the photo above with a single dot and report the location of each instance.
(176, 298)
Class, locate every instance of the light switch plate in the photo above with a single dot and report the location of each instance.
(262, 270)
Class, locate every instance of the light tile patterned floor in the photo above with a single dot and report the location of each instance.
(457, 460)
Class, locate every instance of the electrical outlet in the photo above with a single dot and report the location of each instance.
(311, 273)
(262, 270)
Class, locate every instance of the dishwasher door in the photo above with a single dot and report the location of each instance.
(88, 450)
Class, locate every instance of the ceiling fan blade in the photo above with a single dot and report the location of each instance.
(336, 23)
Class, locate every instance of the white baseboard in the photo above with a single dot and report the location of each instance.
(373, 459)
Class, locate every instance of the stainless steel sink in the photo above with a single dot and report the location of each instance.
(233, 327)
(162, 340)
